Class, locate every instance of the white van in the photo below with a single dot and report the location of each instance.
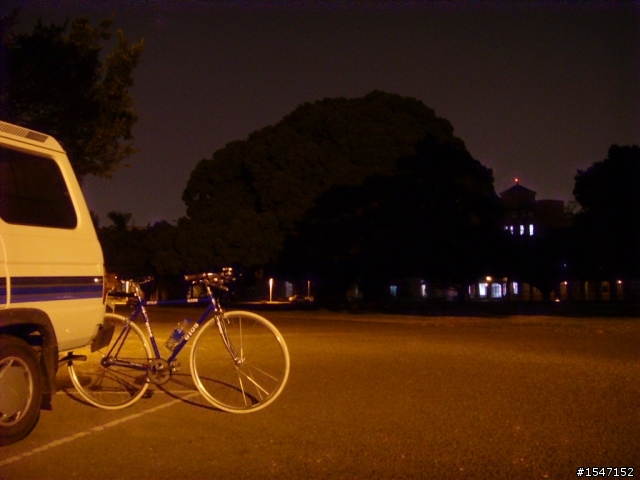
(51, 274)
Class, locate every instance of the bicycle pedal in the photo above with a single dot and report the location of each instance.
(70, 358)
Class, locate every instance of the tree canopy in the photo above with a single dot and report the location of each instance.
(437, 218)
(244, 201)
(53, 80)
(607, 240)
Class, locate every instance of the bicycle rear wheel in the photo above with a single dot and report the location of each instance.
(255, 377)
(104, 382)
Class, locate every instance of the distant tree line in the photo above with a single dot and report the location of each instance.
(606, 232)
(340, 191)
(372, 189)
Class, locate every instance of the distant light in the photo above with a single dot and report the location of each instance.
(270, 290)
(517, 180)
(619, 282)
(489, 279)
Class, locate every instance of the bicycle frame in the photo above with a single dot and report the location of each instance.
(213, 309)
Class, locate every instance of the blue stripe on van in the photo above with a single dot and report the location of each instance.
(3, 290)
(43, 289)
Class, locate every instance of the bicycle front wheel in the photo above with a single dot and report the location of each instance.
(249, 373)
(114, 376)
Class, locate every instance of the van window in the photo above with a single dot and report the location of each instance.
(33, 191)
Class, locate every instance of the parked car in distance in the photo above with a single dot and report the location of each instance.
(300, 299)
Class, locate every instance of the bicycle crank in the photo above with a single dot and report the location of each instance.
(159, 371)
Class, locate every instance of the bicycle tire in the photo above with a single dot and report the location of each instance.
(21, 389)
(113, 387)
(257, 380)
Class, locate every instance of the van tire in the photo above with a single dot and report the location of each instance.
(20, 389)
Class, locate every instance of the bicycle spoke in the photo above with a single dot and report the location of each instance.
(242, 365)
(122, 380)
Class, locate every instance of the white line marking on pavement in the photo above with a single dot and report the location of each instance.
(99, 428)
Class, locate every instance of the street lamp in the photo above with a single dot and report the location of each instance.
(270, 290)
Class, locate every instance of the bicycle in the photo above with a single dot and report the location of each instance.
(239, 361)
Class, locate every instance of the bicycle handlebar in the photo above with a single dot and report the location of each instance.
(217, 280)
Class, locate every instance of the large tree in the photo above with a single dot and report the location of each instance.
(245, 200)
(437, 218)
(53, 80)
(607, 240)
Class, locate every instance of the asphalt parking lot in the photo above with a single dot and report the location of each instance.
(375, 396)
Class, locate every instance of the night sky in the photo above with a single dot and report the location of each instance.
(536, 91)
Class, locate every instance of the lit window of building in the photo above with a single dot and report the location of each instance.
(521, 229)
(531, 229)
(393, 290)
(496, 290)
(482, 290)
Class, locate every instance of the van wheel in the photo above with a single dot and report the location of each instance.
(20, 389)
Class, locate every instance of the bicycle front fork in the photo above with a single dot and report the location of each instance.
(222, 328)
